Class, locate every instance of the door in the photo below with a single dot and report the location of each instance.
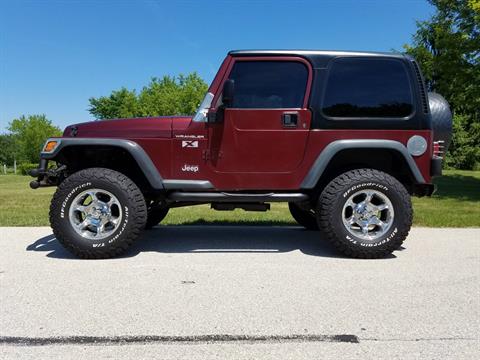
(265, 128)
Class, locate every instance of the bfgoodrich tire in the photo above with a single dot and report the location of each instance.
(304, 217)
(97, 213)
(365, 213)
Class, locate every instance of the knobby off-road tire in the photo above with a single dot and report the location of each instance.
(112, 190)
(388, 193)
(306, 218)
(155, 217)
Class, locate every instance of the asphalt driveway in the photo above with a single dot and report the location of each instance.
(240, 292)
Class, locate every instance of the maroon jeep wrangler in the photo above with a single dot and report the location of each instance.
(344, 137)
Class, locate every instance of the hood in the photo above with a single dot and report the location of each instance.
(146, 127)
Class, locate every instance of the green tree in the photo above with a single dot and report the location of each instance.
(464, 151)
(29, 134)
(447, 46)
(170, 95)
(192, 89)
(160, 97)
(122, 103)
(8, 150)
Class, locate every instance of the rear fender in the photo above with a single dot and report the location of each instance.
(323, 160)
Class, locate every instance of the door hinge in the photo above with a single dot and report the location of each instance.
(208, 155)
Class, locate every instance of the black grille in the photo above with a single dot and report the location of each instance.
(421, 85)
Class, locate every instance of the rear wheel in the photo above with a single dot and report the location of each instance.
(305, 217)
(365, 213)
(97, 213)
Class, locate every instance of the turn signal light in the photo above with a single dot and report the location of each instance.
(50, 146)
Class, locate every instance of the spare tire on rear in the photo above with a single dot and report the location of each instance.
(441, 119)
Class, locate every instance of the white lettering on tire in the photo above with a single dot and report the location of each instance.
(355, 241)
(369, 184)
(124, 225)
(64, 203)
(364, 244)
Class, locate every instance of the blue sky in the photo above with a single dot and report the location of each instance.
(54, 55)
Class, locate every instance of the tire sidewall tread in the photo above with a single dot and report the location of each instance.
(336, 193)
(133, 207)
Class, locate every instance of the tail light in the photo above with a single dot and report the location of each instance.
(439, 148)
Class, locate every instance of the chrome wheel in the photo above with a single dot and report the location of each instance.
(95, 214)
(368, 214)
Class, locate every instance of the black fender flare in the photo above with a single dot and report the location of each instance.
(322, 161)
(139, 155)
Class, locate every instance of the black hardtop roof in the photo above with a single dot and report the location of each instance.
(307, 53)
(317, 57)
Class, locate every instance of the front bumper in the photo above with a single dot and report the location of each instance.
(45, 176)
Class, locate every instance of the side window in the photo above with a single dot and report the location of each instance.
(269, 84)
(367, 88)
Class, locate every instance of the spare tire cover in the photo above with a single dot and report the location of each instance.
(441, 119)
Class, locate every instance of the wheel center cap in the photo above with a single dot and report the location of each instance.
(99, 210)
(363, 212)
(360, 208)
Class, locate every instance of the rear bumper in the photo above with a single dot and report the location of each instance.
(427, 189)
(422, 190)
(436, 166)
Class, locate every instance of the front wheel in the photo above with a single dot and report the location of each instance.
(97, 213)
(365, 213)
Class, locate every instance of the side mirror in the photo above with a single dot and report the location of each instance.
(227, 94)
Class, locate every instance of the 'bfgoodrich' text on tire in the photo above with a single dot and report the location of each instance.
(129, 204)
(341, 228)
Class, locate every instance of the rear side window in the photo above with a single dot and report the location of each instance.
(367, 88)
(269, 84)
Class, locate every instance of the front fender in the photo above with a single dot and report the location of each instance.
(139, 155)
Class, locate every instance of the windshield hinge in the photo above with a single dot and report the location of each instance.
(208, 155)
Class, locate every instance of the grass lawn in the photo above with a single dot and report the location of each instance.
(456, 204)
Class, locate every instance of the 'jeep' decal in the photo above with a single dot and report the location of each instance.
(190, 168)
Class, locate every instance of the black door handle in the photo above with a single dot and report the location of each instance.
(289, 119)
